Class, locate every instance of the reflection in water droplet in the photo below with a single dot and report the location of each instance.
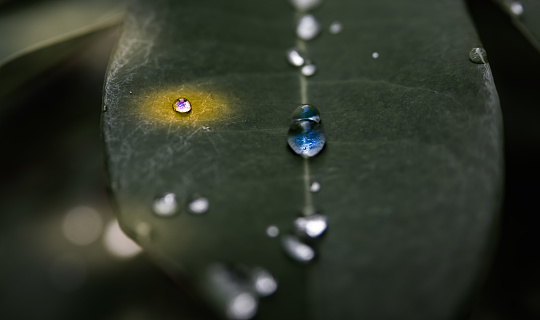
(263, 282)
(306, 138)
(243, 306)
(315, 187)
(478, 55)
(165, 205)
(308, 27)
(336, 27)
(272, 231)
(306, 112)
(306, 5)
(199, 205)
(313, 226)
(375, 55)
(295, 58)
(297, 250)
(82, 225)
(516, 8)
(117, 243)
(182, 105)
(309, 70)
(231, 291)
(68, 273)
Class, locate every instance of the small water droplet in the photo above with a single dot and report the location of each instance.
(165, 205)
(313, 226)
(308, 27)
(306, 5)
(375, 55)
(243, 306)
(315, 187)
(306, 138)
(104, 108)
(272, 231)
(295, 58)
(336, 27)
(306, 112)
(263, 282)
(478, 55)
(130, 92)
(199, 205)
(516, 8)
(297, 250)
(182, 105)
(309, 70)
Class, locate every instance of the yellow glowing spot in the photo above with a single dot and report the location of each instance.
(117, 243)
(207, 104)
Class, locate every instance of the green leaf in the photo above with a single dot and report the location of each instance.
(411, 173)
(38, 35)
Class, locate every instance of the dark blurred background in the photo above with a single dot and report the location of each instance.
(63, 257)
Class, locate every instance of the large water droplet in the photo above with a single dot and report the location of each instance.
(306, 138)
(306, 112)
(306, 5)
(478, 55)
(516, 8)
(308, 27)
(336, 27)
(297, 250)
(315, 187)
(313, 226)
(182, 105)
(295, 58)
(309, 70)
(272, 231)
(165, 205)
(263, 282)
(199, 205)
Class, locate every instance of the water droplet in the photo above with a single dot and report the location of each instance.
(308, 27)
(263, 282)
(306, 138)
(306, 112)
(315, 187)
(336, 27)
(375, 55)
(272, 231)
(182, 105)
(478, 55)
(243, 306)
(295, 58)
(199, 205)
(306, 5)
(130, 92)
(297, 250)
(82, 226)
(309, 70)
(231, 291)
(165, 205)
(104, 108)
(516, 8)
(313, 226)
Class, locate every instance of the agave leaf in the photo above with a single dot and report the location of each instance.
(37, 35)
(524, 15)
(411, 174)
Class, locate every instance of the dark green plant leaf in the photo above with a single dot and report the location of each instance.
(411, 174)
(37, 35)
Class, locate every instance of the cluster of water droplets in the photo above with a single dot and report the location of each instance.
(166, 205)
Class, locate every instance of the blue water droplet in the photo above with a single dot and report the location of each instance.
(306, 138)
(306, 112)
(182, 105)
